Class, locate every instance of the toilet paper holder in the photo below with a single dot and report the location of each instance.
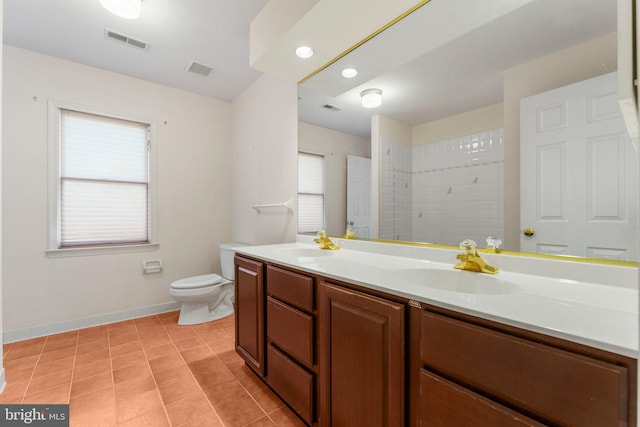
(152, 266)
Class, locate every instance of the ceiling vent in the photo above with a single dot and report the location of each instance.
(331, 107)
(119, 37)
(198, 68)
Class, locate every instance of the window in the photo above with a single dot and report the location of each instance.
(310, 193)
(103, 189)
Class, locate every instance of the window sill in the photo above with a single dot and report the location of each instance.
(102, 250)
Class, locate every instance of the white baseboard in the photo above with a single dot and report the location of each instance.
(3, 381)
(85, 322)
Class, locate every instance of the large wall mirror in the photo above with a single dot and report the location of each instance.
(498, 119)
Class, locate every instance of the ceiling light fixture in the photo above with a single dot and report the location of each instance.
(304, 52)
(128, 9)
(371, 98)
(349, 73)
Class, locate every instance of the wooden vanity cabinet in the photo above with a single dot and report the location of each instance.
(473, 375)
(249, 312)
(342, 355)
(275, 331)
(361, 359)
(290, 337)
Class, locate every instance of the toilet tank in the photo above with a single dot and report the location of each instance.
(227, 253)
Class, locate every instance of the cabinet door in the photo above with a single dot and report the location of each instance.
(564, 388)
(361, 359)
(445, 404)
(249, 307)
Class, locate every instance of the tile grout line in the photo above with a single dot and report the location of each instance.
(73, 371)
(24, 394)
(241, 385)
(191, 373)
(113, 381)
(176, 336)
(199, 386)
(178, 351)
(146, 358)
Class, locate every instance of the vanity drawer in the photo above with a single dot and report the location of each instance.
(443, 403)
(293, 288)
(291, 330)
(291, 382)
(561, 387)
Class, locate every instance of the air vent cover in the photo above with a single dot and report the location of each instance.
(122, 38)
(198, 68)
(331, 107)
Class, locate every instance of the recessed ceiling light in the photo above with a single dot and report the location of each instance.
(128, 9)
(349, 73)
(304, 52)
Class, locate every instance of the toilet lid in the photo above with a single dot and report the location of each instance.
(197, 281)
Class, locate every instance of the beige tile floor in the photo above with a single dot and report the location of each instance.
(144, 372)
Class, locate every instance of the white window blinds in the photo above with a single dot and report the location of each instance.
(104, 180)
(310, 193)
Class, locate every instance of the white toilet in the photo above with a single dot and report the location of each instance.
(207, 297)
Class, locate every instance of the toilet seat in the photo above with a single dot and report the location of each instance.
(197, 282)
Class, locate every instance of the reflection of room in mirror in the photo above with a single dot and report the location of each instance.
(464, 81)
(443, 191)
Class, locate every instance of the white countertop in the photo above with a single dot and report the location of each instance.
(594, 314)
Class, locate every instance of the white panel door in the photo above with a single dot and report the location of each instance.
(359, 195)
(578, 172)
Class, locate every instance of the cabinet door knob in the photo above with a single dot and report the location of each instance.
(528, 232)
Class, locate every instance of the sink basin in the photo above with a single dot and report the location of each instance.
(304, 252)
(467, 282)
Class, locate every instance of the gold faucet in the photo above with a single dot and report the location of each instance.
(493, 245)
(470, 260)
(325, 243)
(349, 234)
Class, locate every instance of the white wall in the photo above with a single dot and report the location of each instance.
(265, 135)
(194, 194)
(467, 123)
(335, 146)
(2, 375)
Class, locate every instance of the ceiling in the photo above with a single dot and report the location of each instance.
(431, 80)
(212, 32)
(425, 72)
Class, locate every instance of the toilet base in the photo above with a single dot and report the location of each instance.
(195, 313)
(218, 306)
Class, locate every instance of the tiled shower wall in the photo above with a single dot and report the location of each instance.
(396, 188)
(443, 192)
